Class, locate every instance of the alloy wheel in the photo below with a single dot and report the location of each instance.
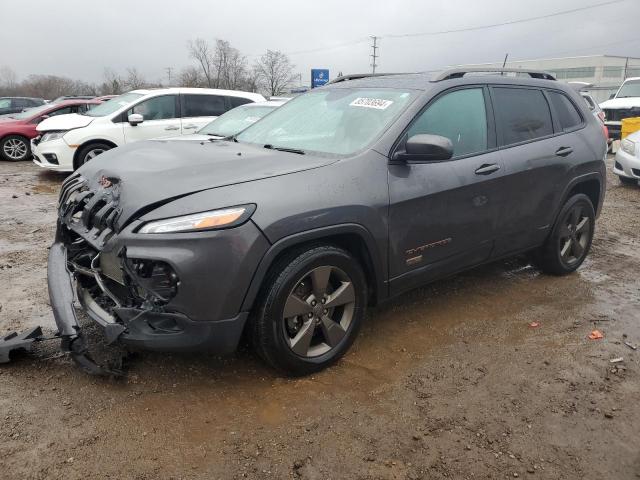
(15, 149)
(318, 311)
(575, 235)
(91, 154)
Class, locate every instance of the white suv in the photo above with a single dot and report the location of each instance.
(624, 104)
(68, 141)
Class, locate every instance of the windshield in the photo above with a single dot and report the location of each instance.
(629, 89)
(32, 112)
(339, 120)
(110, 106)
(236, 120)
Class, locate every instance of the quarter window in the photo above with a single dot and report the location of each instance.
(157, 108)
(568, 116)
(522, 114)
(460, 116)
(203, 105)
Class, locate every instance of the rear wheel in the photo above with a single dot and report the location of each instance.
(15, 148)
(311, 310)
(90, 152)
(570, 241)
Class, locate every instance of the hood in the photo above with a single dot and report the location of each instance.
(65, 122)
(145, 175)
(627, 102)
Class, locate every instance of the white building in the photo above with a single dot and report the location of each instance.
(605, 72)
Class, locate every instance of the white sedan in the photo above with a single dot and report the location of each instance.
(627, 160)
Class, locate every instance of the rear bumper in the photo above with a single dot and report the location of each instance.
(138, 328)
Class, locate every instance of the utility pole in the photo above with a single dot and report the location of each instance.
(504, 64)
(626, 66)
(169, 69)
(375, 55)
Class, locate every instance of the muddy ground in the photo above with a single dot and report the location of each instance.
(448, 381)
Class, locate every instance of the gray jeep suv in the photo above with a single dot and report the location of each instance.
(345, 196)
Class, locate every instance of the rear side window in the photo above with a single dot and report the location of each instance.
(459, 116)
(237, 101)
(568, 116)
(203, 105)
(522, 114)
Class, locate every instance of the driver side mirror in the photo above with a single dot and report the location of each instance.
(135, 119)
(426, 148)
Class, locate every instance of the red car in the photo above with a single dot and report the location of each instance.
(17, 129)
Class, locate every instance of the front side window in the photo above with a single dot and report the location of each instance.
(203, 105)
(568, 116)
(156, 108)
(113, 105)
(338, 121)
(460, 116)
(522, 114)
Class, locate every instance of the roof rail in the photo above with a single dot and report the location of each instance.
(356, 76)
(462, 71)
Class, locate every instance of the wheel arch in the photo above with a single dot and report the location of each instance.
(353, 238)
(86, 144)
(591, 185)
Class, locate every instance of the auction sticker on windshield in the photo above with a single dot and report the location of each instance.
(377, 103)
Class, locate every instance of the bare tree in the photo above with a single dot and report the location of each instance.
(134, 79)
(274, 71)
(190, 77)
(8, 78)
(112, 84)
(202, 53)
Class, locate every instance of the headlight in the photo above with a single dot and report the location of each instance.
(628, 146)
(211, 220)
(53, 135)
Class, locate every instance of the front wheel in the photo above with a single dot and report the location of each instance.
(570, 240)
(15, 148)
(90, 152)
(311, 310)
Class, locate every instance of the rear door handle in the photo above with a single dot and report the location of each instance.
(487, 169)
(564, 151)
(172, 127)
(189, 127)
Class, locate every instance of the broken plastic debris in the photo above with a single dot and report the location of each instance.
(596, 335)
(616, 360)
(631, 346)
(534, 324)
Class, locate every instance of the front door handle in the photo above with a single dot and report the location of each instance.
(172, 127)
(487, 169)
(189, 127)
(564, 151)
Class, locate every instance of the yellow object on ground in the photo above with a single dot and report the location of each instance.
(629, 126)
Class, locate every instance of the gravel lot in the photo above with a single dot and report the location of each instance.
(448, 381)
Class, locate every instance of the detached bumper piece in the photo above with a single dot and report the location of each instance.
(61, 294)
(14, 342)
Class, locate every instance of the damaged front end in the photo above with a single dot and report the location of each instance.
(123, 296)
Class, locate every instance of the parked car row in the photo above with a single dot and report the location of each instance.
(9, 105)
(18, 129)
(69, 141)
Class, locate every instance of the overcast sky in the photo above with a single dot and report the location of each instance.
(79, 38)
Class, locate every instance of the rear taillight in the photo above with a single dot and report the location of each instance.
(605, 130)
(601, 116)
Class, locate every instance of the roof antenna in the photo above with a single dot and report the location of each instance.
(504, 64)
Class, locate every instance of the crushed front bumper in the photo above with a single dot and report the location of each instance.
(144, 329)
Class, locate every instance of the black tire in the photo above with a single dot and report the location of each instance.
(567, 246)
(270, 331)
(628, 181)
(15, 148)
(90, 151)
